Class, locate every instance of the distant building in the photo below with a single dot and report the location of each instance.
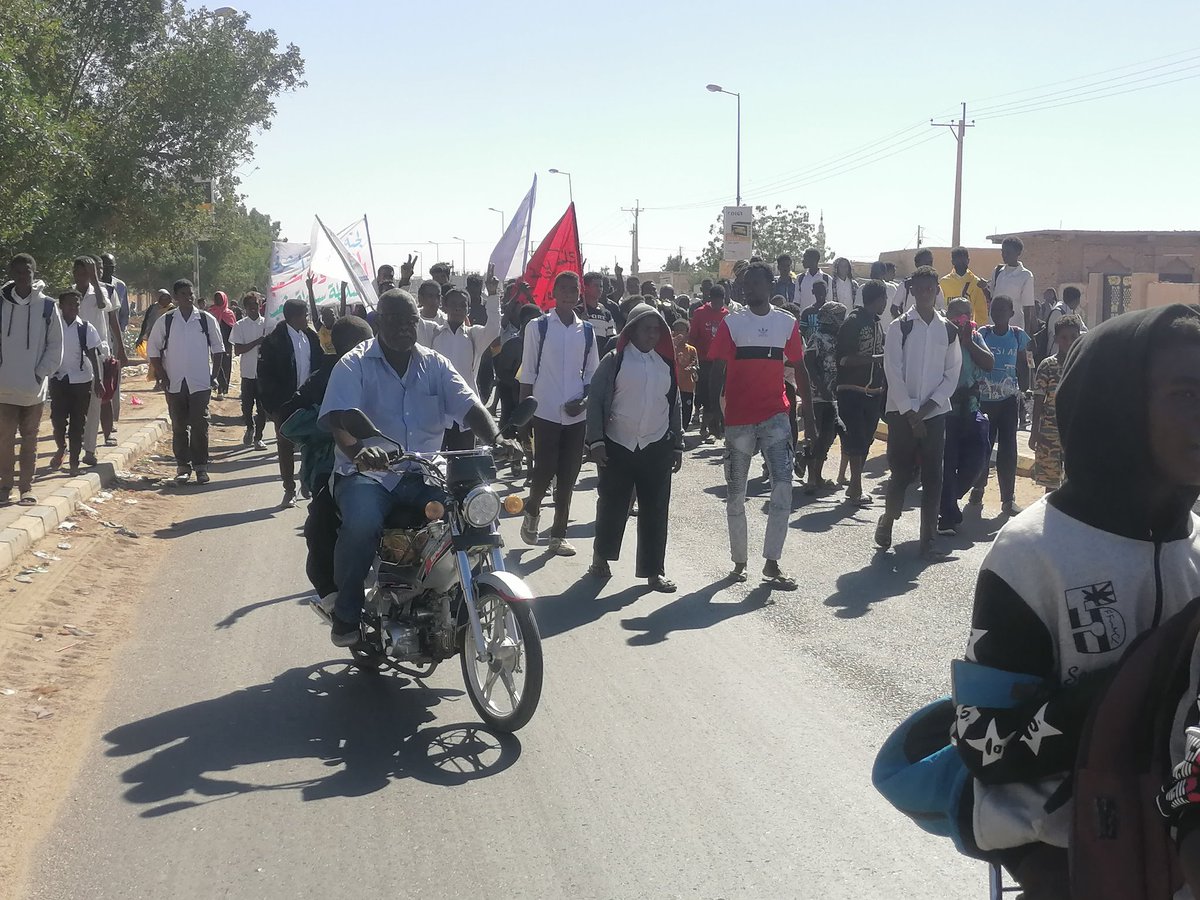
(983, 260)
(1116, 270)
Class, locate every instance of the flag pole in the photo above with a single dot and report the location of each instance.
(370, 247)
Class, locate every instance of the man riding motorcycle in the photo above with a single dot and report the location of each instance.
(411, 394)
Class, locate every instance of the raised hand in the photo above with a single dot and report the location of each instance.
(492, 282)
(407, 267)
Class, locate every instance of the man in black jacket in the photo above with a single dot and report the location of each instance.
(287, 356)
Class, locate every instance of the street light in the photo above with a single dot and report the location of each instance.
(570, 187)
(225, 12)
(717, 89)
(493, 209)
(464, 243)
(437, 251)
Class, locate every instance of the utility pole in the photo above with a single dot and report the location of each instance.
(637, 208)
(920, 236)
(959, 130)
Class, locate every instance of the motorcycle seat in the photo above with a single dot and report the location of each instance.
(406, 517)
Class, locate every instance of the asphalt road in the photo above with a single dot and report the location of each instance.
(714, 743)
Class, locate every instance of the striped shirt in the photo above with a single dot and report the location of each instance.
(754, 348)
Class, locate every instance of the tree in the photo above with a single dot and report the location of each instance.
(775, 233)
(120, 105)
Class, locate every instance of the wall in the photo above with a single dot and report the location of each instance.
(1163, 293)
(983, 260)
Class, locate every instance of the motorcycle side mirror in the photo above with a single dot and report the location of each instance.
(523, 413)
(359, 425)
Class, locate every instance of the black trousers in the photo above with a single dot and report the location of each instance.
(557, 451)
(687, 401)
(189, 427)
(253, 414)
(68, 413)
(509, 395)
(223, 372)
(320, 533)
(647, 471)
(486, 378)
(287, 455)
(1002, 429)
(713, 419)
(905, 451)
(828, 427)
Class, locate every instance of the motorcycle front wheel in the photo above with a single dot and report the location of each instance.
(504, 688)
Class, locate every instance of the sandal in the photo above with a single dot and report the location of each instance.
(28, 499)
(662, 584)
(596, 570)
(781, 580)
(862, 501)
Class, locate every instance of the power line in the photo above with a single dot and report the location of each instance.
(1097, 87)
(1072, 102)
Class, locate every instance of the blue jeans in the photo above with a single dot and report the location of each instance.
(364, 505)
(774, 438)
(963, 458)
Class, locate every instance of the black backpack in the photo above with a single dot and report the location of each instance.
(171, 318)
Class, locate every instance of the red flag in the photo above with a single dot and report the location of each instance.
(558, 253)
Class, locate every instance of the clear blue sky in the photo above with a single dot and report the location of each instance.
(424, 115)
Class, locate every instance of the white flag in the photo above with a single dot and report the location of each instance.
(515, 239)
(334, 260)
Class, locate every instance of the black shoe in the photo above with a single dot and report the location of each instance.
(976, 499)
(89, 459)
(202, 476)
(344, 634)
(883, 532)
(248, 437)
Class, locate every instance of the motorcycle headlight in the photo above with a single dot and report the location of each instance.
(481, 507)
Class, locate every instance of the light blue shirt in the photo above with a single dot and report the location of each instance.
(411, 410)
(1001, 383)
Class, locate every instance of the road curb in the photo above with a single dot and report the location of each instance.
(38, 521)
(1024, 461)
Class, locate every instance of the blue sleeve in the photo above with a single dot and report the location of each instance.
(457, 397)
(345, 387)
(1022, 340)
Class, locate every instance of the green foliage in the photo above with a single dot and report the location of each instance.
(776, 232)
(118, 107)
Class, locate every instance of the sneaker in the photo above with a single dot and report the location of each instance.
(289, 499)
(561, 547)
(323, 606)
(248, 437)
(260, 444)
(344, 634)
(202, 476)
(74, 470)
(1010, 508)
(530, 528)
(56, 460)
(182, 474)
(89, 459)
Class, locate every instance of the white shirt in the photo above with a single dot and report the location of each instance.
(439, 319)
(1015, 282)
(804, 288)
(845, 292)
(189, 355)
(76, 367)
(301, 351)
(924, 366)
(1057, 311)
(465, 346)
(640, 414)
(563, 374)
(245, 331)
(97, 316)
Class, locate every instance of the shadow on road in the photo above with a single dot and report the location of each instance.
(301, 599)
(365, 729)
(693, 611)
(581, 604)
(887, 575)
(217, 520)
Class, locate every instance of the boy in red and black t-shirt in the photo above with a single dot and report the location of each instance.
(748, 353)
(706, 320)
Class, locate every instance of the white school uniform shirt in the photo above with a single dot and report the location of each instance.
(1015, 282)
(301, 350)
(640, 414)
(924, 366)
(804, 288)
(845, 292)
(246, 330)
(97, 316)
(1057, 311)
(76, 367)
(189, 355)
(465, 346)
(564, 374)
(905, 300)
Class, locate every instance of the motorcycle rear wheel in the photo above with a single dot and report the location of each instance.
(504, 702)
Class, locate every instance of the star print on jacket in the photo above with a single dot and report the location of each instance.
(991, 745)
(1039, 729)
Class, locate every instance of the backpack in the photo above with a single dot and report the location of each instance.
(171, 318)
(589, 338)
(1121, 846)
(1040, 345)
(906, 327)
(919, 771)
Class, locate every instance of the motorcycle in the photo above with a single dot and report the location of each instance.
(438, 587)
